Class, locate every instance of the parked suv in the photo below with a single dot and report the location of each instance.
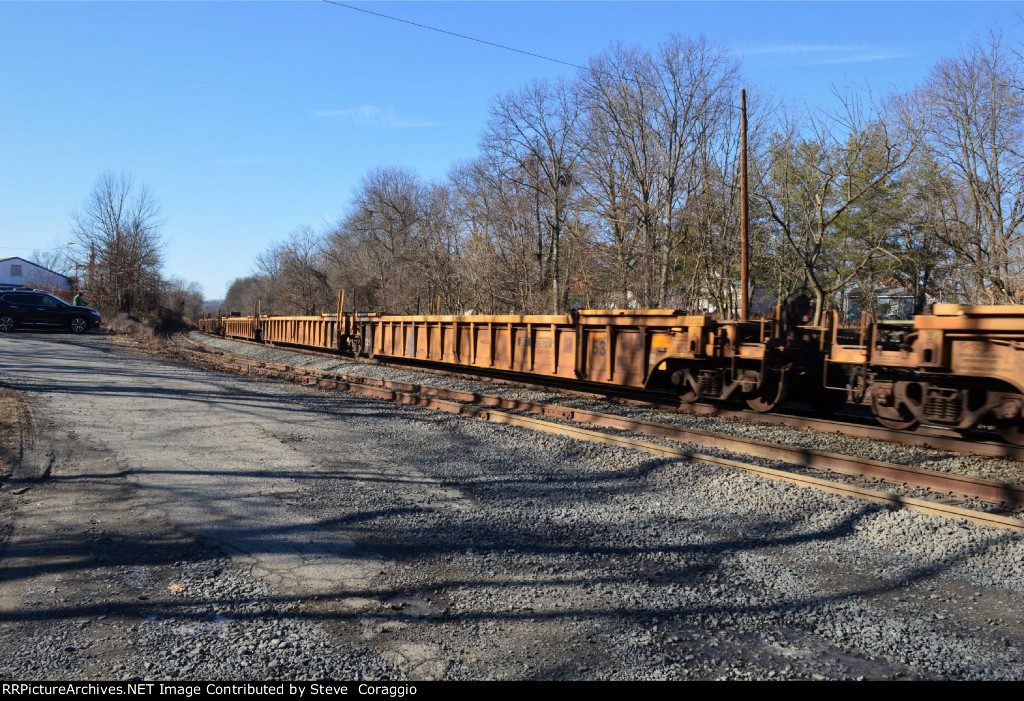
(25, 307)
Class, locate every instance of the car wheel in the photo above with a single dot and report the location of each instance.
(6, 323)
(78, 324)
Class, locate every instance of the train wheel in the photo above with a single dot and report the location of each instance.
(897, 424)
(858, 390)
(687, 395)
(897, 418)
(770, 394)
(680, 380)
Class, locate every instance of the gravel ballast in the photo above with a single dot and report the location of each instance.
(1006, 470)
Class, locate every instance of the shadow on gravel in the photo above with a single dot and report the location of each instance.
(660, 564)
(111, 551)
(366, 478)
(270, 606)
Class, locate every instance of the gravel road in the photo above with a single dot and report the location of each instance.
(181, 524)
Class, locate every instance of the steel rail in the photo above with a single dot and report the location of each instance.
(473, 404)
(883, 497)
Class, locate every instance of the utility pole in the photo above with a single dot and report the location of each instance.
(67, 247)
(744, 215)
(92, 267)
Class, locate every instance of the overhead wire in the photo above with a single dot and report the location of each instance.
(456, 34)
(505, 47)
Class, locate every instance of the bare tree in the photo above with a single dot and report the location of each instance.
(620, 188)
(381, 237)
(118, 229)
(443, 249)
(617, 166)
(970, 115)
(831, 192)
(243, 293)
(499, 234)
(298, 268)
(56, 258)
(182, 297)
(531, 137)
(660, 113)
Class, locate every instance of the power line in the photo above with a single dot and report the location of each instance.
(456, 34)
(587, 69)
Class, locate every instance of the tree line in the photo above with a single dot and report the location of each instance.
(618, 187)
(115, 260)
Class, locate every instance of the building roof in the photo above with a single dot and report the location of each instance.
(36, 265)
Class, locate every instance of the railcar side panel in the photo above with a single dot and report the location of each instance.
(618, 347)
(629, 361)
(565, 348)
(595, 359)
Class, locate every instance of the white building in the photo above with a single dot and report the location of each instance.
(18, 271)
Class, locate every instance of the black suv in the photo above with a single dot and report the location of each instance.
(24, 307)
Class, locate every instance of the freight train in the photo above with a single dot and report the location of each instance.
(956, 366)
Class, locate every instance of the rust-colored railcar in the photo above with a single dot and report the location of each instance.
(618, 347)
(698, 356)
(957, 366)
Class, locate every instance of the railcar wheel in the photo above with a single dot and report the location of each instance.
(680, 380)
(897, 405)
(896, 418)
(858, 388)
(897, 424)
(770, 394)
(688, 396)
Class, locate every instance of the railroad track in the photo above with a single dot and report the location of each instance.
(980, 443)
(567, 421)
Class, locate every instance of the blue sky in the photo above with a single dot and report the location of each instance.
(250, 119)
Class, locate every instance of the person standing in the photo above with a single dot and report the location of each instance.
(78, 301)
